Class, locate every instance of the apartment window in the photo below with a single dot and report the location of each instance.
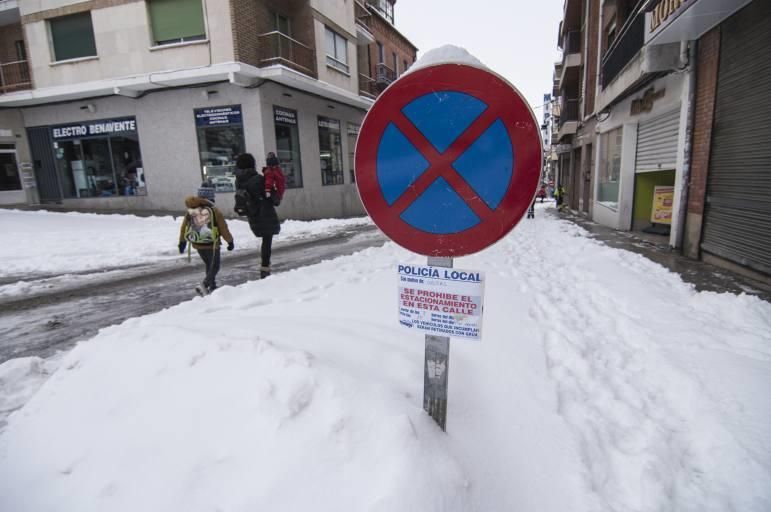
(337, 51)
(220, 134)
(353, 135)
(404, 66)
(331, 151)
(21, 50)
(610, 168)
(176, 21)
(611, 34)
(396, 64)
(386, 8)
(72, 36)
(288, 145)
(380, 53)
(282, 24)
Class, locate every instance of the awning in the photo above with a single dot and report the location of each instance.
(686, 20)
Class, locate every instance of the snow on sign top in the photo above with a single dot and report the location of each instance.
(447, 54)
(448, 158)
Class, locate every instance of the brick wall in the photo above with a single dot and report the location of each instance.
(9, 34)
(706, 86)
(392, 41)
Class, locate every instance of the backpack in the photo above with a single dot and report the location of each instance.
(201, 226)
(245, 205)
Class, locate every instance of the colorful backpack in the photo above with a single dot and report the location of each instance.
(201, 226)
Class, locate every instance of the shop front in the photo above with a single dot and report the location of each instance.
(220, 134)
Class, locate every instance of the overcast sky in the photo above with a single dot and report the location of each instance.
(515, 38)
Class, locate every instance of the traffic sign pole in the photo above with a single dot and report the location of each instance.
(437, 366)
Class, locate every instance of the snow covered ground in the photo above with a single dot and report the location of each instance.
(603, 383)
(44, 242)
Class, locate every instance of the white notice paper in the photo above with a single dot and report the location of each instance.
(441, 301)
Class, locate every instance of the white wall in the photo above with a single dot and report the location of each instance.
(339, 15)
(123, 45)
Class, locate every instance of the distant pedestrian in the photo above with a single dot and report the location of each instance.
(202, 227)
(531, 210)
(260, 210)
(559, 195)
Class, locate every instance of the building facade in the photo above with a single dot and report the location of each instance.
(647, 142)
(128, 105)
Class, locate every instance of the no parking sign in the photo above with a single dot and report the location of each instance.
(447, 163)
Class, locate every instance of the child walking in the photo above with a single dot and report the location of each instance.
(203, 227)
(275, 181)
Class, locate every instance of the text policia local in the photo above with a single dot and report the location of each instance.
(440, 273)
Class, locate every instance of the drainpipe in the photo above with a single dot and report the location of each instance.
(687, 58)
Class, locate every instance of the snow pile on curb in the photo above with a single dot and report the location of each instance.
(54, 242)
(603, 383)
(19, 380)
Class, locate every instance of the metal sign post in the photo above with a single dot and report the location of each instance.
(437, 366)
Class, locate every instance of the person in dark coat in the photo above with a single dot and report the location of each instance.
(262, 216)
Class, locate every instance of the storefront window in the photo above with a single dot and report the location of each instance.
(353, 134)
(610, 168)
(9, 171)
(288, 145)
(99, 159)
(220, 141)
(331, 151)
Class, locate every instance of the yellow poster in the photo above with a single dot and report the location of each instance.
(662, 205)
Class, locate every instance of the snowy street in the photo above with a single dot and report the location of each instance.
(603, 382)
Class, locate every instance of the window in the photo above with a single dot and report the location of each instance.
(282, 24)
(176, 21)
(353, 134)
(220, 140)
(610, 168)
(72, 36)
(386, 8)
(288, 145)
(99, 159)
(9, 171)
(404, 66)
(21, 50)
(380, 53)
(331, 151)
(396, 64)
(337, 51)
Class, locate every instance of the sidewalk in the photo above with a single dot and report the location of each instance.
(702, 275)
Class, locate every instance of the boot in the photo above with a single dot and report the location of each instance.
(264, 272)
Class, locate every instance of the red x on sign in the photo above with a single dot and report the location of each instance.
(448, 160)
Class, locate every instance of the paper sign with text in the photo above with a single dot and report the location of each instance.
(441, 301)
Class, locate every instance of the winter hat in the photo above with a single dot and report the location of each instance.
(271, 159)
(245, 161)
(206, 191)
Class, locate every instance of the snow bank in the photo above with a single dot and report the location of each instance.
(447, 54)
(19, 380)
(54, 243)
(603, 383)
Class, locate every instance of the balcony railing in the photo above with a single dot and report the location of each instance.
(362, 14)
(384, 75)
(624, 48)
(278, 48)
(569, 111)
(14, 76)
(367, 86)
(572, 42)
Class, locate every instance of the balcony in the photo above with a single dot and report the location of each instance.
(571, 43)
(277, 48)
(363, 24)
(384, 76)
(568, 123)
(14, 76)
(624, 48)
(368, 87)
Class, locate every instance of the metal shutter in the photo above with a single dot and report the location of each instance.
(657, 143)
(737, 219)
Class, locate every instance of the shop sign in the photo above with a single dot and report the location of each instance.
(666, 11)
(441, 301)
(645, 104)
(329, 123)
(563, 148)
(217, 116)
(663, 197)
(94, 128)
(284, 115)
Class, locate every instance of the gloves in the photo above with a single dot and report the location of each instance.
(231, 246)
(182, 246)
